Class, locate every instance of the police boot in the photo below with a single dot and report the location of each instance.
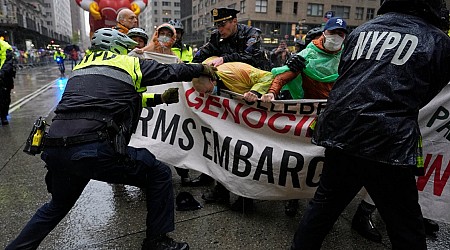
(201, 180)
(5, 121)
(362, 222)
(431, 227)
(291, 208)
(244, 205)
(164, 242)
(218, 194)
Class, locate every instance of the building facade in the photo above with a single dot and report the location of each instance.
(283, 19)
(24, 24)
(159, 12)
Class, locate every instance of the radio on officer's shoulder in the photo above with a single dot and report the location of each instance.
(35, 141)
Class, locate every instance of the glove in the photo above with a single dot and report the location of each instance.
(296, 64)
(209, 71)
(170, 96)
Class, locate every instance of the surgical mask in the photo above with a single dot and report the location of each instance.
(163, 39)
(214, 92)
(333, 42)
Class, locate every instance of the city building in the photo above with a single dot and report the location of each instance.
(288, 19)
(159, 12)
(24, 24)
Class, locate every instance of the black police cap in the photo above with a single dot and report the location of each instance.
(222, 14)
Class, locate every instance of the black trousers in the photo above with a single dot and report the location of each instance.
(73, 167)
(392, 188)
(5, 101)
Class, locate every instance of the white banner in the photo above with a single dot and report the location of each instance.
(263, 150)
(434, 187)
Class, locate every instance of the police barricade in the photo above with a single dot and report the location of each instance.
(263, 150)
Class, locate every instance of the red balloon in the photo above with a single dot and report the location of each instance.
(110, 8)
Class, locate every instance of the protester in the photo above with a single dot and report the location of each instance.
(370, 128)
(313, 34)
(318, 76)
(163, 39)
(317, 67)
(90, 132)
(126, 20)
(238, 77)
(7, 75)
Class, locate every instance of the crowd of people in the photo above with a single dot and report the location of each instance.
(376, 97)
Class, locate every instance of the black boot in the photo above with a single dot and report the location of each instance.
(202, 180)
(164, 242)
(291, 208)
(5, 121)
(362, 222)
(218, 194)
(431, 227)
(244, 205)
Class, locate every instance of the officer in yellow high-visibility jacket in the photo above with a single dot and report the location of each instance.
(7, 75)
(181, 50)
(89, 135)
(4, 48)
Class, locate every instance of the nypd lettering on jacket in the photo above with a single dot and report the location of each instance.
(403, 44)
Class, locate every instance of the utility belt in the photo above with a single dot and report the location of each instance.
(38, 138)
(74, 140)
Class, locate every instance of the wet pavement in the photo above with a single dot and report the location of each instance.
(113, 216)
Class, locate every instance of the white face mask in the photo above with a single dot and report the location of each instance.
(163, 39)
(333, 42)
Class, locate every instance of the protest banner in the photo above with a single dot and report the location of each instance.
(263, 150)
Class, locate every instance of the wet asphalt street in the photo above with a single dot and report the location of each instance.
(113, 216)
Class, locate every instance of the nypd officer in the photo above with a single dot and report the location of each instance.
(370, 130)
(88, 138)
(232, 42)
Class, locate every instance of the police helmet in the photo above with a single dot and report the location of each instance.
(176, 24)
(112, 40)
(433, 11)
(139, 33)
(312, 34)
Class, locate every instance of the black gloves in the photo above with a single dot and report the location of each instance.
(296, 64)
(170, 96)
(209, 71)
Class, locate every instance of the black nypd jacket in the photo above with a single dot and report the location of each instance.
(391, 67)
(244, 46)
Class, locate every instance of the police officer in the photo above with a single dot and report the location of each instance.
(370, 130)
(88, 138)
(181, 50)
(7, 74)
(232, 42)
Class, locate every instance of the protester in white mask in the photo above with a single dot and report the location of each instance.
(162, 40)
(334, 33)
(311, 73)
